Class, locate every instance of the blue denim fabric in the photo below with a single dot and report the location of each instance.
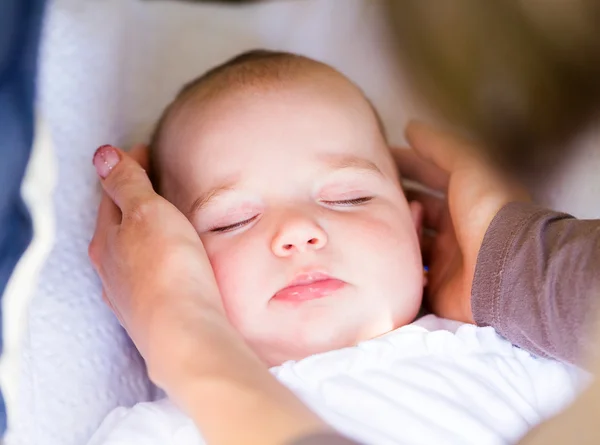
(20, 24)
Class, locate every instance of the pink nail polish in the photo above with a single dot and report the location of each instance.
(105, 159)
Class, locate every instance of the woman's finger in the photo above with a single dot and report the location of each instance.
(108, 213)
(108, 216)
(441, 148)
(434, 208)
(123, 179)
(413, 167)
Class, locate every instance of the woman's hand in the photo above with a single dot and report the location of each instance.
(158, 281)
(474, 193)
(155, 274)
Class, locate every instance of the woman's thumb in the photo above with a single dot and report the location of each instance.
(122, 177)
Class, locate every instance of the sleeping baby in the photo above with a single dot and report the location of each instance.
(282, 166)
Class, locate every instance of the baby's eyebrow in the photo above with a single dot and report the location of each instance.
(204, 199)
(339, 162)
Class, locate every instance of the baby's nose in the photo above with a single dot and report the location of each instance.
(298, 235)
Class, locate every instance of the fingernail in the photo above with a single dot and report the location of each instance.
(105, 159)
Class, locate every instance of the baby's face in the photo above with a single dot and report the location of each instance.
(297, 202)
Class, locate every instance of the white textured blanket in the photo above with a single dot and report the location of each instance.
(107, 69)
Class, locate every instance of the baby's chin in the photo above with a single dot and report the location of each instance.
(304, 343)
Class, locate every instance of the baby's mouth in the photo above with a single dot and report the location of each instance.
(309, 286)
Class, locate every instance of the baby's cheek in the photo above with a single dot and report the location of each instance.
(384, 229)
(227, 266)
(393, 243)
(233, 269)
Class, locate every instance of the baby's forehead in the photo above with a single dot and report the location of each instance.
(214, 102)
(222, 106)
(294, 107)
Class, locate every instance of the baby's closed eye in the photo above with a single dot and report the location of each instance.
(348, 202)
(232, 226)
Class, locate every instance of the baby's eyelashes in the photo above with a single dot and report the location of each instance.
(225, 217)
(234, 219)
(232, 226)
(348, 202)
(233, 223)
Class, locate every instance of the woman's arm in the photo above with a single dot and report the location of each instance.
(157, 279)
(231, 395)
(537, 280)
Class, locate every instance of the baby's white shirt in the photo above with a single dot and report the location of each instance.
(432, 382)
